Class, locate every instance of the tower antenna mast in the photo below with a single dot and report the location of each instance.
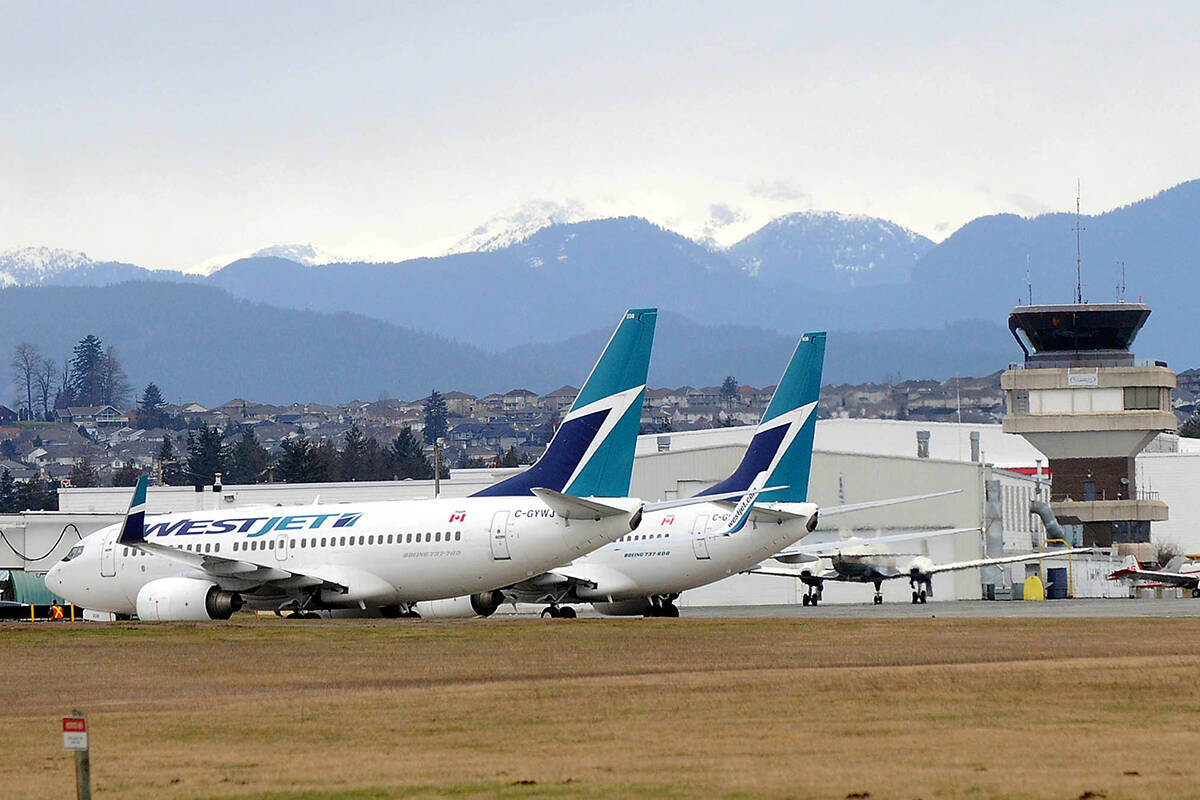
(1028, 280)
(1078, 257)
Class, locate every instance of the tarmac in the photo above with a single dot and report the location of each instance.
(960, 609)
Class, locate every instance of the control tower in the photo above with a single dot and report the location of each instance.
(1081, 399)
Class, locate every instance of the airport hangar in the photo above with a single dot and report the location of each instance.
(855, 460)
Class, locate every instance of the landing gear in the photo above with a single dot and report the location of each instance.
(1195, 592)
(878, 593)
(921, 589)
(660, 606)
(558, 612)
(813, 596)
(400, 611)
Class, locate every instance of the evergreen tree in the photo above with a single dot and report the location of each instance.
(87, 373)
(205, 455)
(327, 457)
(729, 391)
(351, 460)
(83, 474)
(151, 408)
(375, 461)
(300, 462)
(36, 495)
(1190, 428)
(435, 417)
(8, 449)
(172, 475)
(248, 459)
(8, 492)
(407, 458)
(126, 475)
(510, 458)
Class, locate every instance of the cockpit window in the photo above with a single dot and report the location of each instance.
(75, 551)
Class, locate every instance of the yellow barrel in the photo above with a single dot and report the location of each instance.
(1034, 590)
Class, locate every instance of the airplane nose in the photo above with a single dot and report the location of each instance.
(54, 575)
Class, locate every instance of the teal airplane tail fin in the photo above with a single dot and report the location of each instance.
(782, 444)
(591, 454)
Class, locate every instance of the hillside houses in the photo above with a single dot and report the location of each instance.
(479, 429)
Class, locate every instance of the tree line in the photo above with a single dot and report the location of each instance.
(90, 376)
(240, 459)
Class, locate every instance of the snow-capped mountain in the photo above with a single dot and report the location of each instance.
(830, 250)
(308, 255)
(516, 226)
(29, 266)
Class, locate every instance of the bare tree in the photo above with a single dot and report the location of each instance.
(25, 361)
(44, 378)
(115, 388)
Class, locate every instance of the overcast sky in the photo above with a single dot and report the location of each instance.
(166, 134)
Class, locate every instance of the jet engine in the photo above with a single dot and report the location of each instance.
(481, 604)
(171, 599)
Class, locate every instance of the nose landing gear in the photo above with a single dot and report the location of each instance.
(922, 589)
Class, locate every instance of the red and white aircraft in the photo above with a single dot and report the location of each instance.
(1179, 571)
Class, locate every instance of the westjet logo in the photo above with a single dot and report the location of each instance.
(248, 525)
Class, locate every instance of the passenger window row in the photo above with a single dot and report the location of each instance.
(637, 537)
(324, 541)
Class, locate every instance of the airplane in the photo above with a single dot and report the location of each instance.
(875, 568)
(385, 556)
(645, 571)
(1173, 574)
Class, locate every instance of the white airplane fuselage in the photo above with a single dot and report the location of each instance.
(384, 553)
(675, 550)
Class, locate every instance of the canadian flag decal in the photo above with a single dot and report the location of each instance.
(458, 516)
(668, 520)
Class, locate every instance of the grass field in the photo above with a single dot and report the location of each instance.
(608, 708)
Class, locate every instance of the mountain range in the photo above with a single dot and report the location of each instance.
(527, 305)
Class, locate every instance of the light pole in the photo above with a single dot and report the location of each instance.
(438, 444)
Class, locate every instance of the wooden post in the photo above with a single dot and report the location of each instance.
(76, 739)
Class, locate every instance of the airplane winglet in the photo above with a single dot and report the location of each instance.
(741, 512)
(663, 505)
(571, 507)
(134, 529)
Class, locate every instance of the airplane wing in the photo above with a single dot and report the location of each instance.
(807, 552)
(987, 562)
(236, 574)
(828, 511)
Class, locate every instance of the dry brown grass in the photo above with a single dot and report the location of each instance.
(608, 708)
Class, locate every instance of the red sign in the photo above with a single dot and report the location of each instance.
(75, 733)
